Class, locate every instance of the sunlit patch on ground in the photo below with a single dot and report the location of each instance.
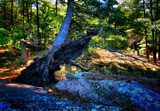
(2, 50)
(4, 69)
(122, 63)
(12, 74)
(10, 64)
(29, 62)
(118, 58)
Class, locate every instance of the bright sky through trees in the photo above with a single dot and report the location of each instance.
(120, 1)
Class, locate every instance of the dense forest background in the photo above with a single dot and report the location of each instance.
(131, 26)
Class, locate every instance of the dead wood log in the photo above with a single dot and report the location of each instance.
(42, 69)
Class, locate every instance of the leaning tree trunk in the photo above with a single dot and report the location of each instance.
(65, 25)
(62, 52)
(42, 69)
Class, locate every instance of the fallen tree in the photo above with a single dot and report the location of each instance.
(63, 51)
(42, 69)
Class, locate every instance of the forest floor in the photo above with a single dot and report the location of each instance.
(113, 65)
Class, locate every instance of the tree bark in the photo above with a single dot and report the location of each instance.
(23, 11)
(11, 12)
(145, 33)
(157, 32)
(65, 25)
(4, 13)
(27, 11)
(37, 19)
(153, 34)
(159, 48)
(56, 7)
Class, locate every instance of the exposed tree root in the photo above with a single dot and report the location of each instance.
(42, 69)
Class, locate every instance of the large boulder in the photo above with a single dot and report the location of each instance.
(20, 97)
(110, 92)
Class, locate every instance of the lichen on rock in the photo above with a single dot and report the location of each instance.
(111, 92)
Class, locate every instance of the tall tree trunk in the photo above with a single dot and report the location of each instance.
(30, 10)
(145, 33)
(159, 48)
(27, 10)
(157, 32)
(65, 25)
(4, 13)
(154, 47)
(30, 23)
(37, 18)
(56, 7)
(23, 11)
(153, 34)
(11, 12)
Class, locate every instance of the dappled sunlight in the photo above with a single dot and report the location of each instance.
(10, 64)
(2, 50)
(29, 62)
(119, 66)
(12, 74)
(4, 69)
(122, 60)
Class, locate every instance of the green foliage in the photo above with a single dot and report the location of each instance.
(4, 36)
(16, 34)
(112, 42)
(49, 23)
(90, 50)
(19, 47)
(10, 37)
(94, 3)
(156, 25)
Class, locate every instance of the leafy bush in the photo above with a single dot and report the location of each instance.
(116, 42)
(4, 36)
(10, 36)
(111, 42)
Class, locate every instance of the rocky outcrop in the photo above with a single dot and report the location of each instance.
(99, 95)
(110, 92)
(22, 97)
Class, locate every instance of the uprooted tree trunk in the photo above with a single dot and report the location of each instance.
(42, 69)
(62, 52)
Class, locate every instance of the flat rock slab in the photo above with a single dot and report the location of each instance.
(19, 97)
(111, 92)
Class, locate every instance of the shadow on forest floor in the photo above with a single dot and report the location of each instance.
(122, 63)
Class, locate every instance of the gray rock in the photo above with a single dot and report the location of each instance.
(79, 86)
(20, 97)
(109, 92)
